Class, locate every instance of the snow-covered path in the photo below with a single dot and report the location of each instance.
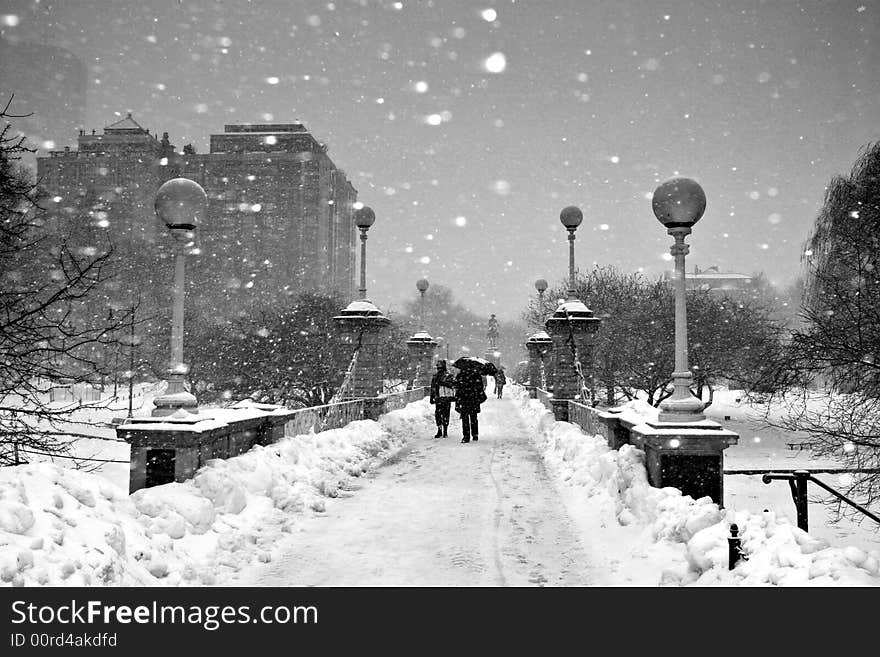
(441, 513)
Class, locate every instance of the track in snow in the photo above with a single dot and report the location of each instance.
(440, 513)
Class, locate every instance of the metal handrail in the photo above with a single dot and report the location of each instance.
(345, 386)
(797, 481)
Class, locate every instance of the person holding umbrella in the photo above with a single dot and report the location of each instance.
(442, 394)
(470, 393)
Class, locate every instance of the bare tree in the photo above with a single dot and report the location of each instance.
(832, 363)
(728, 336)
(53, 325)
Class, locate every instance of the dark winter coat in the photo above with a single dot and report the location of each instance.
(500, 379)
(469, 392)
(440, 378)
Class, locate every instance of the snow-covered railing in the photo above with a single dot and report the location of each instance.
(586, 417)
(598, 422)
(320, 418)
(345, 387)
(397, 400)
(544, 397)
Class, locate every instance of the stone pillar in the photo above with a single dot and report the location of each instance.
(688, 456)
(538, 345)
(421, 348)
(572, 325)
(364, 328)
(174, 447)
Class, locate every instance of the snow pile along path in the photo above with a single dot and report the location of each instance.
(648, 536)
(442, 513)
(63, 527)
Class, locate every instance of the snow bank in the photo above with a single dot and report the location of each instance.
(61, 527)
(670, 539)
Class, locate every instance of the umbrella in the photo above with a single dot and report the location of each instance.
(475, 364)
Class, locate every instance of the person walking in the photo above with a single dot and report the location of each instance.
(500, 380)
(442, 395)
(469, 394)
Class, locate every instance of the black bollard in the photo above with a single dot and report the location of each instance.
(734, 547)
(799, 493)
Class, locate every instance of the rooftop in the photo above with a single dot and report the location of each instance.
(127, 123)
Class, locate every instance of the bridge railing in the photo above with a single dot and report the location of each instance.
(586, 417)
(321, 418)
(613, 425)
(544, 397)
(396, 400)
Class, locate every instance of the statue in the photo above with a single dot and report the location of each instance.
(492, 333)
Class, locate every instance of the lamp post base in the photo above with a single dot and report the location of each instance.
(175, 398)
(682, 406)
(169, 404)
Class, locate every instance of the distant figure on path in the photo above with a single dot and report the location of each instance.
(469, 394)
(442, 395)
(500, 380)
(492, 333)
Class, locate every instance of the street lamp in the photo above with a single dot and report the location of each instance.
(362, 325)
(541, 287)
(571, 217)
(678, 204)
(539, 344)
(180, 204)
(421, 345)
(363, 219)
(422, 287)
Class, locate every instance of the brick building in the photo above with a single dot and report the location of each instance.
(279, 219)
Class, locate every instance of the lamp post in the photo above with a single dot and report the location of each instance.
(541, 287)
(683, 448)
(421, 345)
(363, 219)
(572, 329)
(180, 204)
(538, 345)
(571, 217)
(422, 287)
(678, 204)
(363, 327)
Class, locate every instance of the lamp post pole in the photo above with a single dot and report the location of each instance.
(131, 365)
(678, 204)
(175, 384)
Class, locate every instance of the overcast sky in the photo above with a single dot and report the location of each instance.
(468, 126)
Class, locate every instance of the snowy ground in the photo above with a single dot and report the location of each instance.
(62, 527)
(535, 502)
(97, 420)
(761, 447)
(647, 536)
(442, 513)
